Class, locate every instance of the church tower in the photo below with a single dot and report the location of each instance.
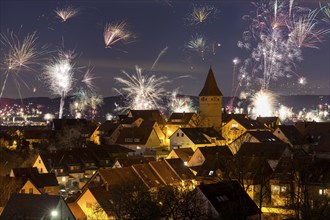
(210, 103)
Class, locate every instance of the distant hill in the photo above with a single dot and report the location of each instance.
(51, 105)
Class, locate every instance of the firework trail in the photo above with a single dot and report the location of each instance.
(326, 12)
(59, 77)
(180, 104)
(114, 33)
(198, 44)
(159, 55)
(141, 92)
(18, 55)
(305, 32)
(234, 88)
(88, 79)
(66, 13)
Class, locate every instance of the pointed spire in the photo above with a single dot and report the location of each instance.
(210, 87)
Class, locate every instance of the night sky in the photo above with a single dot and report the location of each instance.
(156, 24)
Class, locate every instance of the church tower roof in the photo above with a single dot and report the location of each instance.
(210, 87)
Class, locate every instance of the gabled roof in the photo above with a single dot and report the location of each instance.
(313, 128)
(184, 153)
(264, 136)
(250, 169)
(164, 172)
(270, 151)
(108, 126)
(102, 197)
(180, 118)
(129, 161)
(119, 176)
(195, 135)
(152, 115)
(147, 175)
(249, 124)
(223, 151)
(229, 199)
(210, 87)
(292, 134)
(228, 117)
(134, 136)
(32, 206)
(77, 211)
(42, 180)
(129, 120)
(182, 170)
(24, 171)
(267, 120)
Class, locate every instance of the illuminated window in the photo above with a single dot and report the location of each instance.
(322, 192)
(138, 147)
(276, 188)
(234, 125)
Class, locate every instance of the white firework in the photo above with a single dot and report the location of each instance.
(141, 92)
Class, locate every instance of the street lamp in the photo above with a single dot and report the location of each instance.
(53, 213)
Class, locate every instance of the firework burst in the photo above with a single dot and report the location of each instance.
(59, 77)
(85, 100)
(263, 104)
(140, 91)
(114, 33)
(198, 44)
(66, 13)
(180, 104)
(18, 55)
(278, 30)
(200, 14)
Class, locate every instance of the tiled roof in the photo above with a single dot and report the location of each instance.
(148, 175)
(129, 136)
(230, 200)
(215, 150)
(108, 126)
(165, 172)
(210, 87)
(195, 135)
(249, 124)
(184, 153)
(265, 136)
(271, 151)
(152, 115)
(180, 118)
(119, 176)
(182, 170)
(42, 180)
(129, 161)
(293, 135)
